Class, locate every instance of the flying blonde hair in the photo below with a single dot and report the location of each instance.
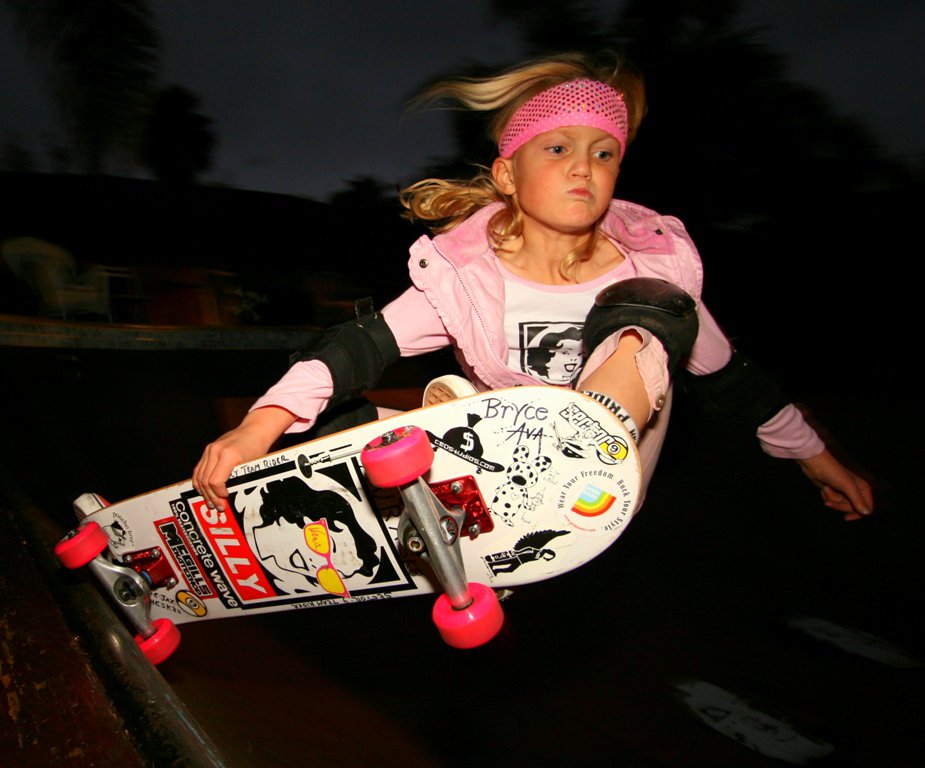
(446, 203)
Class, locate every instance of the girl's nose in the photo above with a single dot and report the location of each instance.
(581, 167)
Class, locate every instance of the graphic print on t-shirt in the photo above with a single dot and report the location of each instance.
(551, 351)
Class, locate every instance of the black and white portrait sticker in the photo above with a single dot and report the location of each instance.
(551, 351)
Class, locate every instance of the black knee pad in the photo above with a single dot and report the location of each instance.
(658, 306)
(356, 353)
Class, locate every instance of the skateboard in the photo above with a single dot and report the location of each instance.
(466, 498)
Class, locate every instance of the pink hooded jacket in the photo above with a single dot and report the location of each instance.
(457, 298)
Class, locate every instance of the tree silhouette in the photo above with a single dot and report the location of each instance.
(178, 141)
(783, 195)
(101, 57)
(377, 246)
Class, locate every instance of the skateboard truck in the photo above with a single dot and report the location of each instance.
(130, 585)
(431, 532)
(467, 614)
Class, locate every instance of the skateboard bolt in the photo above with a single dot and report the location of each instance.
(125, 591)
(127, 559)
(156, 552)
(389, 437)
(474, 530)
(456, 487)
(415, 544)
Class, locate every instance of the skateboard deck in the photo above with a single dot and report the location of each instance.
(547, 479)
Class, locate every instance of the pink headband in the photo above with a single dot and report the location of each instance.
(579, 102)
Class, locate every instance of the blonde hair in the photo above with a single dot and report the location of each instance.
(446, 203)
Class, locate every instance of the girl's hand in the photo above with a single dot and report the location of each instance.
(246, 442)
(842, 490)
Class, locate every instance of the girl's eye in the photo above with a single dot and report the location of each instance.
(604, 154)
(557, 149)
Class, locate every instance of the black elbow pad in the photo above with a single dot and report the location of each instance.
(741, 391)
(355, 352)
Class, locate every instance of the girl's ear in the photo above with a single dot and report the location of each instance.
(503, 175)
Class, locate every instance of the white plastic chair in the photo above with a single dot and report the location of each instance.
(51, 272)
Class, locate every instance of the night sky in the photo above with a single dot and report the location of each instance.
(307, 95)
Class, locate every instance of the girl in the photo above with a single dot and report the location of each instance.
(520, 254)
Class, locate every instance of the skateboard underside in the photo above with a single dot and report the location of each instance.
(541, 481)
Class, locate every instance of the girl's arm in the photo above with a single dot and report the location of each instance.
(841, 489)
(251, 439)
(787, 434)
(417, 327)
(295, 401)
(306, 387)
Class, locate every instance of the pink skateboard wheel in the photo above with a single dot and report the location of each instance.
(162, 643)
(397, 457)
(75, 551)
(473, 625)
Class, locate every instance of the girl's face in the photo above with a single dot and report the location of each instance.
(563, 179)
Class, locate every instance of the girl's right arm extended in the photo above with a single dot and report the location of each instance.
(294, 402)
(251, 439)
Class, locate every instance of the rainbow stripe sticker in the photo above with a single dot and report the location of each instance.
(593, 502)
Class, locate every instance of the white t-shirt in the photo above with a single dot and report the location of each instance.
(543, 323)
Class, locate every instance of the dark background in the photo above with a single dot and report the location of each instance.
(806, 220)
